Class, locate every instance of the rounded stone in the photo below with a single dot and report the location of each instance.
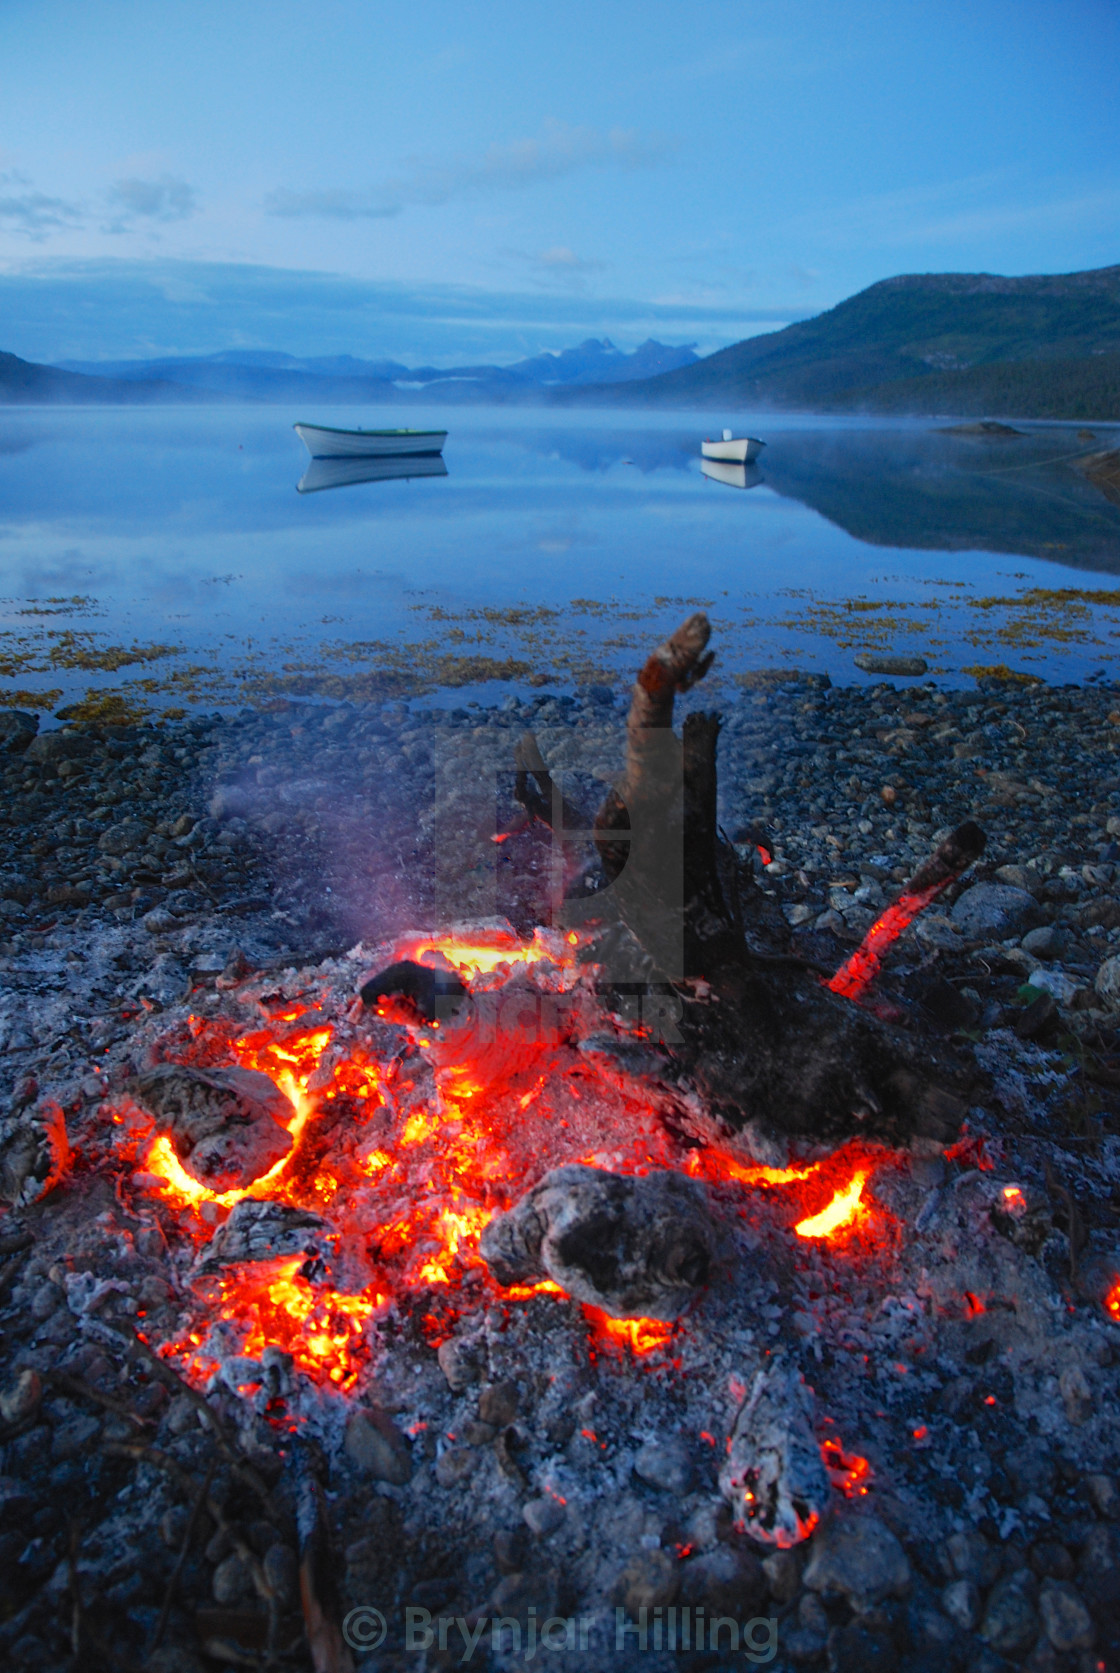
(122, 838)
(454, 1466)
(726, 1581)
(665, 1465)
(543, 1516)
(650, 1579)
(906, 667)
(1010, 1622)
(21, 1397)
(859, 1559)
(994, 911)
(1048, 941)
(961, 1602)
(378, 1448)
(1068, 1623)
(232, 1581)
(1107, 981)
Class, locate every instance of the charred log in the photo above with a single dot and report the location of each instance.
(414, 992)
(769, 1045)
(228, 1126)
(632, 1245)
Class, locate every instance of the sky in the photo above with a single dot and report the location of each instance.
(442, 181)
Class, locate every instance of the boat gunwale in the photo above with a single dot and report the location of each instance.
(336, 430)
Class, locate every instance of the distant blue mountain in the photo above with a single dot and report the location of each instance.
(266, 374)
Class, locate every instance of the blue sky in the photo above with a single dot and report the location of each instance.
(445, 180)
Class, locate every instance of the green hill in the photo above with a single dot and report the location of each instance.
(967, 343)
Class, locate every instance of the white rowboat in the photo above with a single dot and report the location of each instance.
(733, 450)
(324, 443)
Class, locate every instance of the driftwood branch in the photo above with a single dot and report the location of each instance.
(769, 1047)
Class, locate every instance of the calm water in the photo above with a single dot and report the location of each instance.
(567, 541)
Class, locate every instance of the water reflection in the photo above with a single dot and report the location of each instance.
(933, 489)
(732, 476)
(344, 473)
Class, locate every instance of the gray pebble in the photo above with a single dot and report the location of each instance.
(859, 1559)
(543, 1516)
(993, 910)
(1068, 1623)
(665, 1465)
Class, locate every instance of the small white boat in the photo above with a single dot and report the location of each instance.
(732, 476)
(345, 472)
(733, 450)
(324, 443)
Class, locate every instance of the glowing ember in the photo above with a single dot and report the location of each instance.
(847, 1471)
(412, 1165)
(1013, 1202)
(641, 1336)
(322, 1329)
(717, 1164)
(840, 1213)
(481, 955)
(858, 972)
(1112, 1302)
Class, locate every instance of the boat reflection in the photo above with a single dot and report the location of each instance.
(732, 476)
(344, 473)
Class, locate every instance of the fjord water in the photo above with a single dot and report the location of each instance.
(182, 526)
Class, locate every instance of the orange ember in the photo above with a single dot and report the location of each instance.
(1112, 1302)
(840, 1213)
(858, 972)
(847, 1471)
(483, 954)
(417, 1154)
(641, 1336)
(1013, 1202)
(321, 1328)
(718, 1164)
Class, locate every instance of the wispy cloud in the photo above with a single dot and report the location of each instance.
(121, 308)
(329, 205)
(560, 265)
(559, 258)
(165, 199)
(1059, 213)
(558, 150)
(979, 206)
(32, 213)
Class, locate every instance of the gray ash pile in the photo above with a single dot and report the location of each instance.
(878, 1411)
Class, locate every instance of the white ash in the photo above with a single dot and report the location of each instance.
(892, 1344)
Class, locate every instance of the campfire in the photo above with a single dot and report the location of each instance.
(642, 1168)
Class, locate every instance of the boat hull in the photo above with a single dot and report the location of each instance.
(324, 443)
(741, 450)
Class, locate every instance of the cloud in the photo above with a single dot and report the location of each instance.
(34, 213)
(558, 150)
(328, 205)
(165, 199)
(114, 308)
(1058, 214)
(560, 259)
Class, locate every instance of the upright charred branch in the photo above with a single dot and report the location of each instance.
(771, 1047)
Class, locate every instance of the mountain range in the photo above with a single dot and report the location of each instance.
(265, 375)
(966, 344)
